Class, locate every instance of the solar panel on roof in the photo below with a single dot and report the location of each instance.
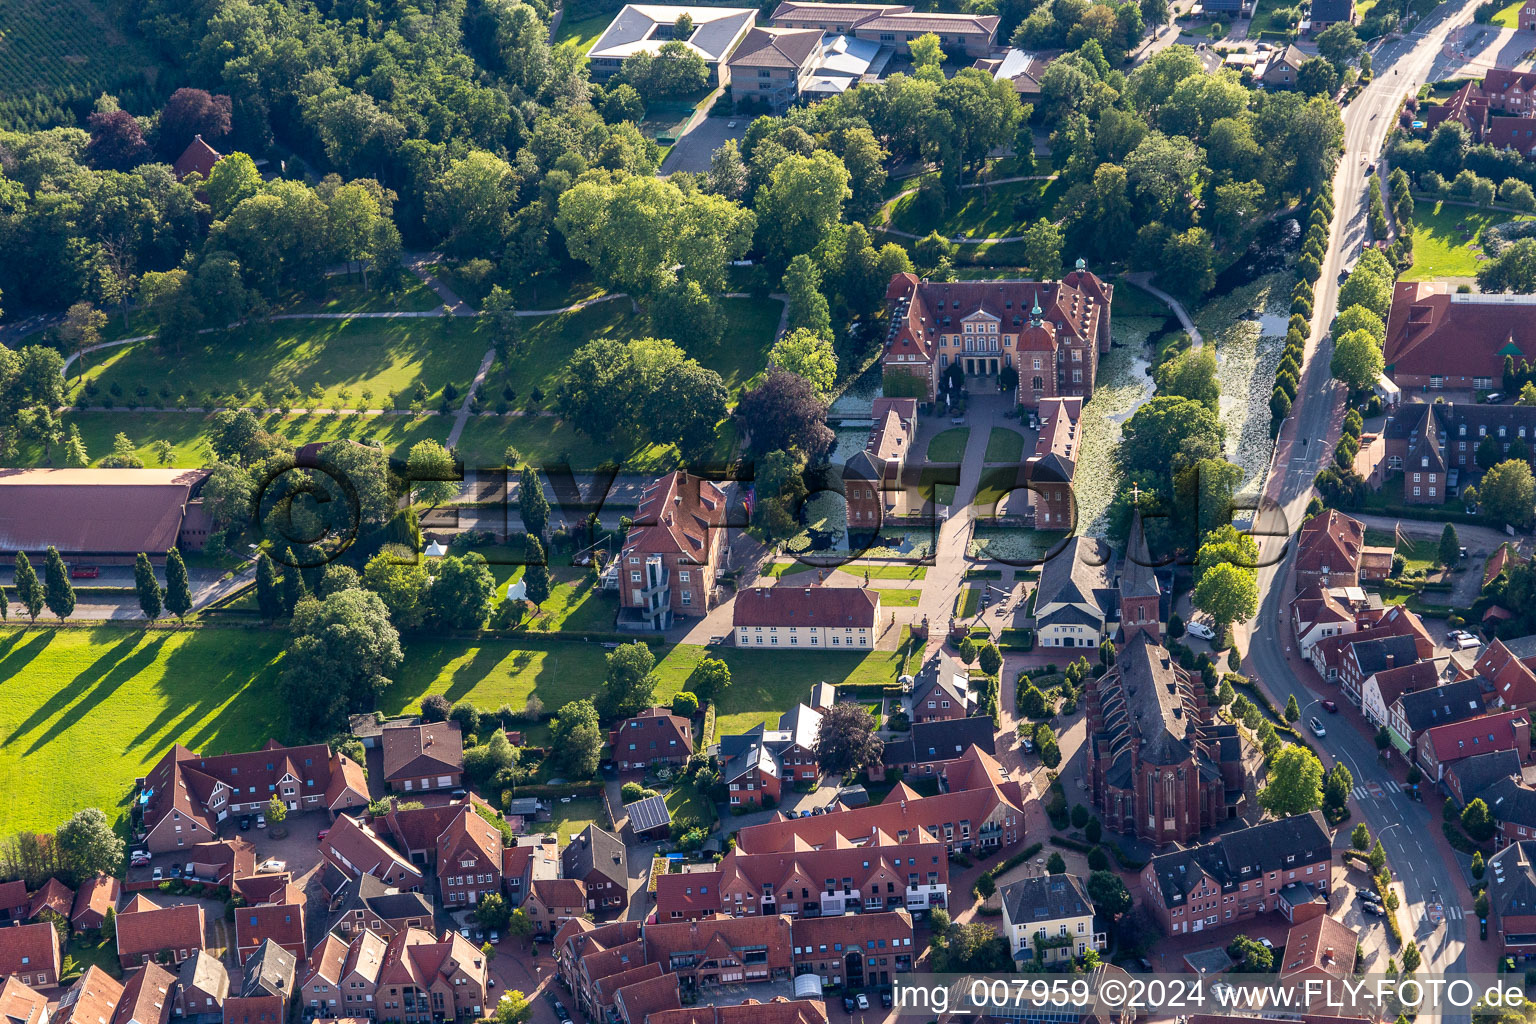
(648, 813)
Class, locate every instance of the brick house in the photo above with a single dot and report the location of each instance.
(1364, 658)
(553, 901)
(146, 997)
(1318, 614)
(819, 617)
(1328, 655)
(90, 1000)
(1331, 552)
(1239, 875)
(929, 747)
(854, 950)
(339, 978)
(635, 1002)
(468, 860)
(872, 476)
(263, 1009)
(424, 757)
(1512, 898)
(1442, 746)
(95, 897)
(21, 1004)
(30, 953)
(274, 912)
(54, 896)
(356, 849)
(147, 932)
(1414, 712)
(671, 554)
(1051, 332)
(1319, 948)
(688, 896)
(202, 986)
(774, 65)
(942, 691)
(1444, 438)
(1510, 665)
(423, 980)
(653, 736)
(13, 902)
(753, 776)
(760, 761)
(722, 950)
(1437, 338)
(596, 858)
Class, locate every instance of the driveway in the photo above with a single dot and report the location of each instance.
(692, 152)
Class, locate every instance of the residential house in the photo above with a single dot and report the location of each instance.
(416, 830)
(1049, 917)
(273, 912)
(605, 985)
(202, 986)
(468, 860)
(1510, 801)
(822, 617)
(95, 897)
(1380, 691)
(531, 859)
(147, 932)
(635, 1002)
(578, 939)
(1510, 665)
(366, 904)
(423, 757)
(854, 950)
(1438, 748)
(1329, 655)
(102, 516)
(1321, 948)
(1051, 332)
(1327, 13)
(1439, 338)
(522, 812)
(22, 1004)
(553, 901)
(654, 736)
(596, 859)
(963, 36)
(1512, 898)
(872, 476)
(1331, 552)
(53, 896)
(31, 952)
(1467, 779)
(1075, 598)
(1284, 67)
(356, 849)
(1239, 875)
(687, 896)
(198, 158)
(1317, 614)
(320, 985)
(344, 983)
(1160, 766)
(255, 1010)
(217, 864)
(721, 950)
(423, 980)
(942, 691)
(13, 902)
(92, 999)
(671, 554)
(1018, 68)
(778, 1010)
(1416, 711)
(1445, 438)
(928, 747)
(185, 796)
(713, 34)
(146, 997)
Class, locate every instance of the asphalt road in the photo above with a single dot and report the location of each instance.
(1401, 67)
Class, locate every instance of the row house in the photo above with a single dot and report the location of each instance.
(1317, 614)
(872, 476)
(1051, 332)
(365, 904)
(637, 1001)
(1512, 898)
(271, 972)
(529, 859)
(1436, 446)
(778, 1010)
(92, 901)
(420, 757)
(1331, 552)
(553, 901)
(1364, 658)
(468, 860)
(1510, 665)
(356, 849)
(416, 830)
(217, 864)
(147, 997)
(1382, 690)
(31, 953)
(263, 1009)
(654, 736)
(423, 980)
(1442, 746)
(818, 617)
(1239, 875)
(342, 978)
(929, 748)
(54, 896)
(1467, 779)
(1497, 779)
(22, 1004)
(185, 796)
(92, 999)
(273, 911)
(867, 949)
(202, 987)
(688, 895)
(606, 988)
(13, 902)
(667, 566)
(1413, 713)
(596, 858)
(1329, 655)
(721, 950)
(147, 932)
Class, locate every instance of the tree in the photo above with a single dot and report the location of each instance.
(1508, 492)
(1169, 433)
(470, 204)
(967, 650)
(1252, 956)
(117, 140)
(232, 181)
(675, 69)
(1042, 249)
(846, 740)
(800, 203)
(59, 592)
(685, 704)
(75, 455)
(686, 314)
(1368, 287)
(1360, 837)
(1317, 77)
(727, 176)
(462, 591)
(1450, 547)
(188, 114)
(784, 412)
(1295, 783)
(1377, 857)
(340, 657)
(805, 353)
(990, 659)
(1478, 821)
(28, 590)
(1479, 866)
(151, 598)
(1228, 594)
(82, 329)
(1357, 360)
(432, 472)
(630, 684)
(88, 845)
(1338, 782)
(531, 502)
(975, 947)
(178, 589)
(1358, 318)
(492, 910)
(709, 679)
(294, 589)
(124, 455)
(1187, 266)
(276, 810)
(1109, 894)
(1292, 709)
(1190, 374)
(435, 708)
(927, 51)
(486, 761)
(576, 739)
(537, 582)
(1056, 864)
(1412, 958)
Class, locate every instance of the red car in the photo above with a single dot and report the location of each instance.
(1329, 705)
(84, 572)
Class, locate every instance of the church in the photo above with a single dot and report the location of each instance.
(1160, 766)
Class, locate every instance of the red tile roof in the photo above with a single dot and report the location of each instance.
(678, 514)
(692, 894)
(638, 1001)
(254, 1010)
(1432, 330)
(94, 899)
(54, 896)
(198, 157)
(1394, 682)
(328, 959)
(666, 939)
(22, 1004)
(142, 927)
(468, 831)
(418, 751)
(1330, 540)
(791, 605)
(27, 948)
(93, 510)
(656, 731)
(560, 893)
(355, 848)
(13, 897)
(1475, 736)
(1320, 945)
(91, 1000)
(779, 1011)
(147, 996)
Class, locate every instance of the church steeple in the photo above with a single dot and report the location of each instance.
(1036, 312)
(1140, 593)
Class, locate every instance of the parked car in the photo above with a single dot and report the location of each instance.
(1266, 943)
(1373, 908)
(139, 858)
(1331, 707)
(84, 572)
(261, 821)
(1493, 398)
(716, 641)
(495, 936)
(320, 836)
(1316, 725)
(862, 1000)
(885, 999)
(1200, 630)
(157, 874)
(561, 1012)
(272, 866)
(1368, 896)
(848, 1004)
(175, 870)
(464, 930)
(245, 823)
(819, 810)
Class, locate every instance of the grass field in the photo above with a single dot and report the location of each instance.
(65, 50)
(1509, 17)
(949, 446)
(573, 818)
(1004, 445)
(577, 605)
(900, 598)
(583, 33)
(1130, 300)
(995, 212)
(381, 356)
(685, 801)
(1417, 554)
(1443, 236)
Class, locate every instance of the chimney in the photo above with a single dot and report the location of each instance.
(1391, 660)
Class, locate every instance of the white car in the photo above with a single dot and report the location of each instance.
(261, 821)
(862, 1000)
(1316, 725)
(273, 866)
(1200, 630)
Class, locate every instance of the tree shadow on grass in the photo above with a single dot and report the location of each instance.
(101, 687)
(20, 658)
(222, 687)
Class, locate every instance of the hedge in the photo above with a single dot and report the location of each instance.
(1008, 865)
(1067, 843)
(576, 789)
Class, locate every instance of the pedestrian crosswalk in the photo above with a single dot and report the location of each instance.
(1450, 913)
(1377, 791)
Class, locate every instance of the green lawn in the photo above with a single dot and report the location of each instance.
(1417, 554)
(545, 439)
(967, 601)
(900, 598)
(1441, 239)
(1130, 300)
(995, 212)
(949, 446)
(84, 712)
(578, 605)
(1509, 17)
(380, 356)
(573, 818)
(583, 33)
(346, 295)
(1004, 445)
(685, 801)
